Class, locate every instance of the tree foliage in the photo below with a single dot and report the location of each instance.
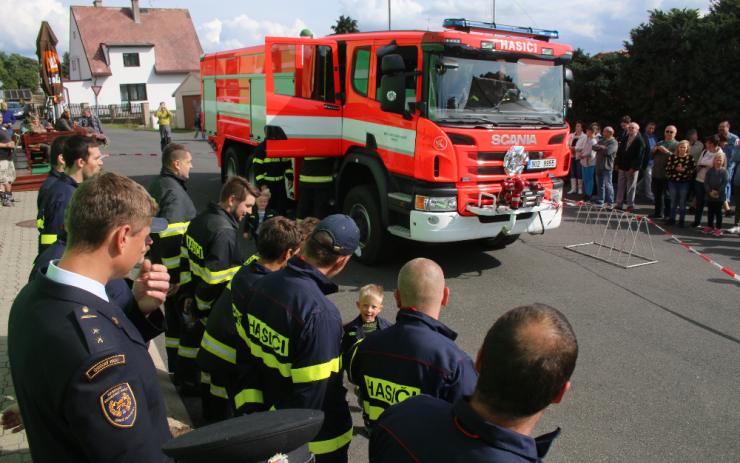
(345, 25)
(677, 68)
(17, 71)
(65, 65)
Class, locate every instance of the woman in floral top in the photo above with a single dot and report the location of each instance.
(680, 170)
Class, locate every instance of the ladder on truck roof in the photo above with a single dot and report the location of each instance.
(465, 25)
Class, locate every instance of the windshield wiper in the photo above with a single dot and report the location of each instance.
(466, 120)
(534, 119)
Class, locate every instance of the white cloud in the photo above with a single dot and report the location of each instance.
(22, 21)
(243, 30)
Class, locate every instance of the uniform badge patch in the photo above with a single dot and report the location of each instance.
(119, 406)
(104, 364)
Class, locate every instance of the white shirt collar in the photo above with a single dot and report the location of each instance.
(65, 277)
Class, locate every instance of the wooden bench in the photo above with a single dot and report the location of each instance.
(35, 145)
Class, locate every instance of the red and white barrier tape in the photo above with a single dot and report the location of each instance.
(688, 247)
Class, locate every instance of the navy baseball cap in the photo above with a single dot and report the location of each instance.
(343, 231)
(159, 224)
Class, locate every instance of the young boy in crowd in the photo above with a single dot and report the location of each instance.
(370, 304)
(258, 216)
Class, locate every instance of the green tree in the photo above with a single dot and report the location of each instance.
(345, 25)
(17, 71)
(596, 91)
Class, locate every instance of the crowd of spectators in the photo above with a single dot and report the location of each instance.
(676, 173)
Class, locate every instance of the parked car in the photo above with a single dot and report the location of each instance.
(16, 108)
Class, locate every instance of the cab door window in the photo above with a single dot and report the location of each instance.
(361, 70)
(304, 71)
(410, 56)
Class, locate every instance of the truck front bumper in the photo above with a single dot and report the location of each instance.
(447, 227)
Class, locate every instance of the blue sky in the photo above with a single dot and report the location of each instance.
(593, 25)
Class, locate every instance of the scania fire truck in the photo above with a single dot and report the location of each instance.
(442, 136)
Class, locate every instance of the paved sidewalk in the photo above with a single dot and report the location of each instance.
(18, 244)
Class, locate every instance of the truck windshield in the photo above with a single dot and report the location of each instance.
(498, 92)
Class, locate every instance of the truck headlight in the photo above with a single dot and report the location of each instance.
(432, 204)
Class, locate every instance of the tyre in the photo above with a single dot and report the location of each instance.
(231, 166)
(498, 242)
(376, 244)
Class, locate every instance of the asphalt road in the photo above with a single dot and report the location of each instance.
(658, 378)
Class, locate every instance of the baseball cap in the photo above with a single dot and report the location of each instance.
(159, 224)
(343, 231)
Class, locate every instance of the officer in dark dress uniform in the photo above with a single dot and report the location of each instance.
(520, 376)
(219, 349)
(315, 187)
(214, 257)
(418, 354)
(82, 160)
(56, 161)
(86, 386)
(170, 192)
(293, 333)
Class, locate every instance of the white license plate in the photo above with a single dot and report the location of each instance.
(542, 163)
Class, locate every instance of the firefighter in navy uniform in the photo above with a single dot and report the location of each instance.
(56, 161)
(279, 240)
(82, 159)
(418, 354)
(212, 247)
(86, 385)
(293, 333)
(169, 189)
(525, 365)
(270, 174)
(316, 187)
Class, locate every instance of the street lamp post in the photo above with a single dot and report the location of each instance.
(389, 14)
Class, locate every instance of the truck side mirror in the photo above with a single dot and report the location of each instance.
(569, 75)
(392, 90)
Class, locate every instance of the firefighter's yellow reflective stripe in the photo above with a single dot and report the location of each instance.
(352, 359)
(183, 252)
(203, 305)
(269, 160)
(171, 262)
(248, 396)
(268, 178)
(217, 348)
(48, 239)
(185, 277)
(205, 378)
(387, 391)
(330, 445)
(213, 277)
(314, 158)
(187, 352)
(174, 229)
(316, 178)
(40, 224)
(268, 359)
(315, 372)
(372, 411)
(218, 391)
(238, 321)
(171, 343)
(252, 258)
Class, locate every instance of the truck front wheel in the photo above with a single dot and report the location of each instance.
(361, 204)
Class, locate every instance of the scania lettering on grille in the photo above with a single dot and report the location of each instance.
(267, 336)
(388, 392)
(512, 139)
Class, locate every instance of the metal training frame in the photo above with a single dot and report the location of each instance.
(618, 237)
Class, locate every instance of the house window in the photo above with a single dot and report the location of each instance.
(131, 60)
(133, 92)
(73, 62)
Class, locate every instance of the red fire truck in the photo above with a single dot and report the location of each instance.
(439, 136)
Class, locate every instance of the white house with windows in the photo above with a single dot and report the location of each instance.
(129, 54)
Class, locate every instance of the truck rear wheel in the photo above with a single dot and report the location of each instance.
(230, 165)
(498, 242)
(376, 244)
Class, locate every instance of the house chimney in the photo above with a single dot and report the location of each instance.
(135, 11)
(97, 3)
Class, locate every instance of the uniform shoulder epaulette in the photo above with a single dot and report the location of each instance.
(92, 326)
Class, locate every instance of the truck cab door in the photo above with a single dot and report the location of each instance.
(303, 108)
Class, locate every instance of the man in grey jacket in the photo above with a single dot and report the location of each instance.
(606, 151)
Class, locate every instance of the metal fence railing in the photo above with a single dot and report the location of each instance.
(123, 113)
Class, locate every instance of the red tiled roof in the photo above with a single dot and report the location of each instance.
(171, 31)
